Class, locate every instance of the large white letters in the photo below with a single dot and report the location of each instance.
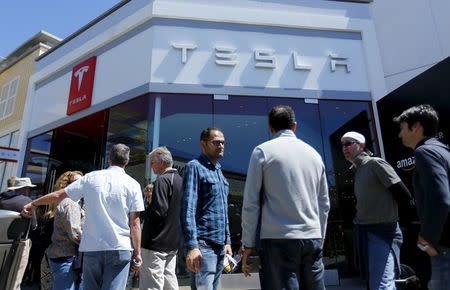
(184, 48)
(297, 64)
(226, 56)
(265, 58)
(337, 60)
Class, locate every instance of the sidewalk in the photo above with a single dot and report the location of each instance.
(239, 282)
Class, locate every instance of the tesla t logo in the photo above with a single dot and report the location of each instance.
(79, 74)
(81, 86)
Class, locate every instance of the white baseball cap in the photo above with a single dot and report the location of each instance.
(355, 136)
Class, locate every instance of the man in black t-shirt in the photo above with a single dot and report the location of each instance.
(17, 194)
(161, 231)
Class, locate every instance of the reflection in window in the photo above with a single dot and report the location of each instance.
(129, 124)
(243, 121)
(183, 117)
(308, 122)
(37, 162)
(338, 117)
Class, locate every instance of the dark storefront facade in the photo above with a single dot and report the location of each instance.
(179, 119)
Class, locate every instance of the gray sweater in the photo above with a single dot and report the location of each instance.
(291, 176)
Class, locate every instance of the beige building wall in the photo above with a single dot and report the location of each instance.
(23, 68)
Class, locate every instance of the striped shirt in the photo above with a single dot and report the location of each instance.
(204, 212)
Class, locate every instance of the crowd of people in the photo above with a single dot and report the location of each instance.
(97, 217)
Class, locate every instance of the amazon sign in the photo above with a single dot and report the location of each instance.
(81, 86)
(406, 164)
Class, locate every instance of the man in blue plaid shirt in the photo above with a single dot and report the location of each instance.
(204, 213)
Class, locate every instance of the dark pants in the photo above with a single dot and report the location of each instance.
(292, 264)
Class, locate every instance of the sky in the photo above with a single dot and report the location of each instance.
(22, 19)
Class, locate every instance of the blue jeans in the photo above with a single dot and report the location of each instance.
(381, 263)
(292, 264)
(440, 270)
(62, 278)
(106, 270)
(208, 278)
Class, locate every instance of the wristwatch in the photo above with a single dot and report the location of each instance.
(423, 247)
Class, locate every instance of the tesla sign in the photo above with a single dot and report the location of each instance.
(264, 58)
(81, 86)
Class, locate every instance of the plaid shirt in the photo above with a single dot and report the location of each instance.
(204, 209)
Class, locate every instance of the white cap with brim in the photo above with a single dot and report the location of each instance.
(22, 182)
(355, 136)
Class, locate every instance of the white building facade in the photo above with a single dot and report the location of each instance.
(152, 73)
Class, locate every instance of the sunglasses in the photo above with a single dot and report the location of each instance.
(349, 143)
(218, 142)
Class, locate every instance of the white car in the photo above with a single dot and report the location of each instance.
(14, 248)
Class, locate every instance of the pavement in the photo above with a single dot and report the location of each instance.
(239, 282)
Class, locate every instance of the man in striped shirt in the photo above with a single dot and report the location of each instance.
(204, 213)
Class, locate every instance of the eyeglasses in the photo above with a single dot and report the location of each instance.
(349, 143)
(218, 142)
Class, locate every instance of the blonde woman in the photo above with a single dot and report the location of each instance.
(148, 192)
(66, 236)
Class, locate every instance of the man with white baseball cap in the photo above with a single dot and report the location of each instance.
(17, 194)
(378, 189)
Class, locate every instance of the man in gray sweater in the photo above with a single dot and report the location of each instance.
(378, 191)
(286, 193)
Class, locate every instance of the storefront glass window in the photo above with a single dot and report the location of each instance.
(37, 162)
(131, 123)
(243, 121)
(8, 169)
(4, 141)
(175, 121)
(308, 122)
(183, 117)
(336, 118)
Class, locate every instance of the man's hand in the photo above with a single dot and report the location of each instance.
(136, 262)
(228, 250)
(431, 251)
(194, 260)
(247, 252)
(28, 210)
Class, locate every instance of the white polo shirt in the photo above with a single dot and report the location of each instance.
(109, 196)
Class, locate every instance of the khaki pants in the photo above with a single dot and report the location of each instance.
(158, 270)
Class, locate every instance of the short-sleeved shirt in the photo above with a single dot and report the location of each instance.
(375, 203)
(13, 201)
(109, 197)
